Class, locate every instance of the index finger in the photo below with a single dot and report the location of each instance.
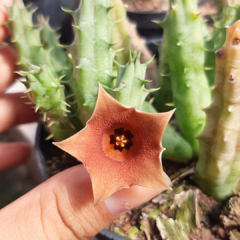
(7, 3)
(4, 18)
(3, 10)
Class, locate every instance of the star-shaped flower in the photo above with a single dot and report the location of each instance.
(120, 147)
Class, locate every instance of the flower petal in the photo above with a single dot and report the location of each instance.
(114, 165)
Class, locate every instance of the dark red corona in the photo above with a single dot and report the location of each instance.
(121, 139)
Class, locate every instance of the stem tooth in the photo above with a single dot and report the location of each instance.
(225, 139)
(50, 124)
(49, 137)
(44, 117)
(230, 109)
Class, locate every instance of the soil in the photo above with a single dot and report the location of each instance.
(56, 159)
(215, 220)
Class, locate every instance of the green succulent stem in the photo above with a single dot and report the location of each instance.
(130, 86)
(184, 49)
(91, 53)
(163, 99)
(218, 168)
(43, 64)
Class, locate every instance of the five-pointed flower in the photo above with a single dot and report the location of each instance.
(120, 147)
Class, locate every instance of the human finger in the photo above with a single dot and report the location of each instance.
(3, 12)
(3, 33)
(4, 18)
(6, 2)
(63, 208)
(14, 110)
(13, 154)
(8, 59)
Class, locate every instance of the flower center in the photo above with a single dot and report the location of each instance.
(121, 139)
(124, 142)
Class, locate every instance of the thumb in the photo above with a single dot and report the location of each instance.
(63, 208)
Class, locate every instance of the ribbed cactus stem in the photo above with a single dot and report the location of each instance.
(102, 49)
(184, 46)
(217, 170)
(44, 64)
(130, 87)
(163, 100)
(23, 31)
(92, 54)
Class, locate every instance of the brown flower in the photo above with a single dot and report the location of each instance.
(120, 147)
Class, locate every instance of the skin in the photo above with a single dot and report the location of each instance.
(62, 207)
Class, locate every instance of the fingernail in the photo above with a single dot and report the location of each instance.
(128, 198)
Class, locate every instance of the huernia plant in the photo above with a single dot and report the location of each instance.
(64, 82)
(98, 107)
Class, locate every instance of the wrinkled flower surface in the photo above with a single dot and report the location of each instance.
(120, 147)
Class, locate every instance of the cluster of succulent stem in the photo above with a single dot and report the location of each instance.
(130, 90)
(45, 65)
(63, 81)
(218, 167)
(183, 61)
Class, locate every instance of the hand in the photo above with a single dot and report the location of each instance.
(13, 109)
(62, 207)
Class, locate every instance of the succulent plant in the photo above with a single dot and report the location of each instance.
(61, 80)
(183, 43)
(91, 53)
(93, 97)
(64, 82)
(45, 65)
(218, 167)
(130, 91)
